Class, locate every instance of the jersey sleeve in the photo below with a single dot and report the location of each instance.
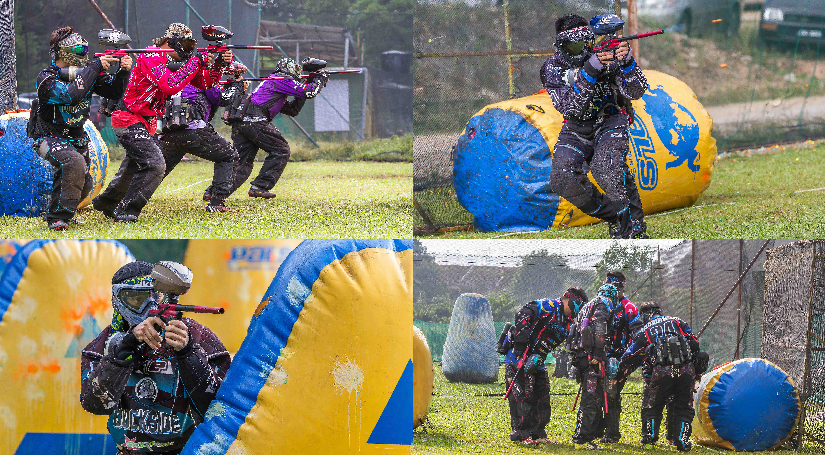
(203, 365)
(112, 86)
(170, 82)
(52, 90)
(631, 81)
(571, 90)
(102, 378)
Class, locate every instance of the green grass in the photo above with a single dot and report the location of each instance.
(475, 419)
(749, 197)
(316, 199)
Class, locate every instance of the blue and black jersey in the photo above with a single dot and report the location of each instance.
(63, 107)
(540, 324)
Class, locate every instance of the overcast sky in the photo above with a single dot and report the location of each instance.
(504, 252)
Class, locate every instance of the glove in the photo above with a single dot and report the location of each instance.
(123, 347)
(612, 368)
(322, 77)
(593, 67)
(700, 362)
(628, 58)
(531, 365)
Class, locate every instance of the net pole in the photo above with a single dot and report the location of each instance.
(741, 276)
(692, 257)
(511, 82)
(806, 372)
(739, 305)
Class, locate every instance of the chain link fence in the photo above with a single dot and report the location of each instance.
(760, 79)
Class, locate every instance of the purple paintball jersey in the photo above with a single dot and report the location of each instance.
(205, 101)
(282, 88)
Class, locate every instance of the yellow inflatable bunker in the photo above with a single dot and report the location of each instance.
(55, 297)
(26, 179)
(503, 160)
(232, 274)
(326, 366)
(423, 377)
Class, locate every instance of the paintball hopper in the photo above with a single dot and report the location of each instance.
(215, 33)
(112, 37)
(312, 65)
(606, 24)
(171, 278)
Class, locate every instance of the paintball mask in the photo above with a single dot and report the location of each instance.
(179, 37)
(650, 310)
(288, 66)
(611, 293)
(615, 281)
(576, 303)
(133, 293)
(576, 43)
(72, 50)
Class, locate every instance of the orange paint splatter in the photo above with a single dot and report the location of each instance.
(723, 65)
(31, 369)
(716, 21)
(227, 255)
(225, 304)
(705, 177)
(52, 368)
(261, 307)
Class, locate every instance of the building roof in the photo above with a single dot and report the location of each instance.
(305, 40)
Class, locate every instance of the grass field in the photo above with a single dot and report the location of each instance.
(316, 199)
(778, 194)
(474, 419)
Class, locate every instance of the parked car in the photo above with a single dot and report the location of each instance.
(792, 21)
(692, 17)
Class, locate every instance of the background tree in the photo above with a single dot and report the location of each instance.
(640, 266)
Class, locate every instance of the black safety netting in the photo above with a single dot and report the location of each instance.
(794, 332)
(756, 72)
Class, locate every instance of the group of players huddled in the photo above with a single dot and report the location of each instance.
(143, 88)
(607, 338)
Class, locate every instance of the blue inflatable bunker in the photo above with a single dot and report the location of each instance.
(26, 179)
(749, 405)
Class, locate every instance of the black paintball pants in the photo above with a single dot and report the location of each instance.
(204, 143)
(614, 409)
(604, 148)
(72, 181)
(139, 175)
(671, 386)
(529, 401)
(590, 419)
(248, 137)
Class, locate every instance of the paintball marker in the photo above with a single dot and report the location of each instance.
(174, 280)
(116, 38)
(607, 26)
(218, 34)
(313, 66)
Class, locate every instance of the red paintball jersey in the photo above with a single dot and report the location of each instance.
(151, 83)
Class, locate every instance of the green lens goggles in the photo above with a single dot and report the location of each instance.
(575, 48)
(80, 49)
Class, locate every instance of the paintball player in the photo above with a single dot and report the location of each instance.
(540, 327)
(589, 335)
(672, 361)
(64, 91)
(200, 138)
(593, 92)
(155, 387)
(626, 322)
(135, 123)
(252, 131)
